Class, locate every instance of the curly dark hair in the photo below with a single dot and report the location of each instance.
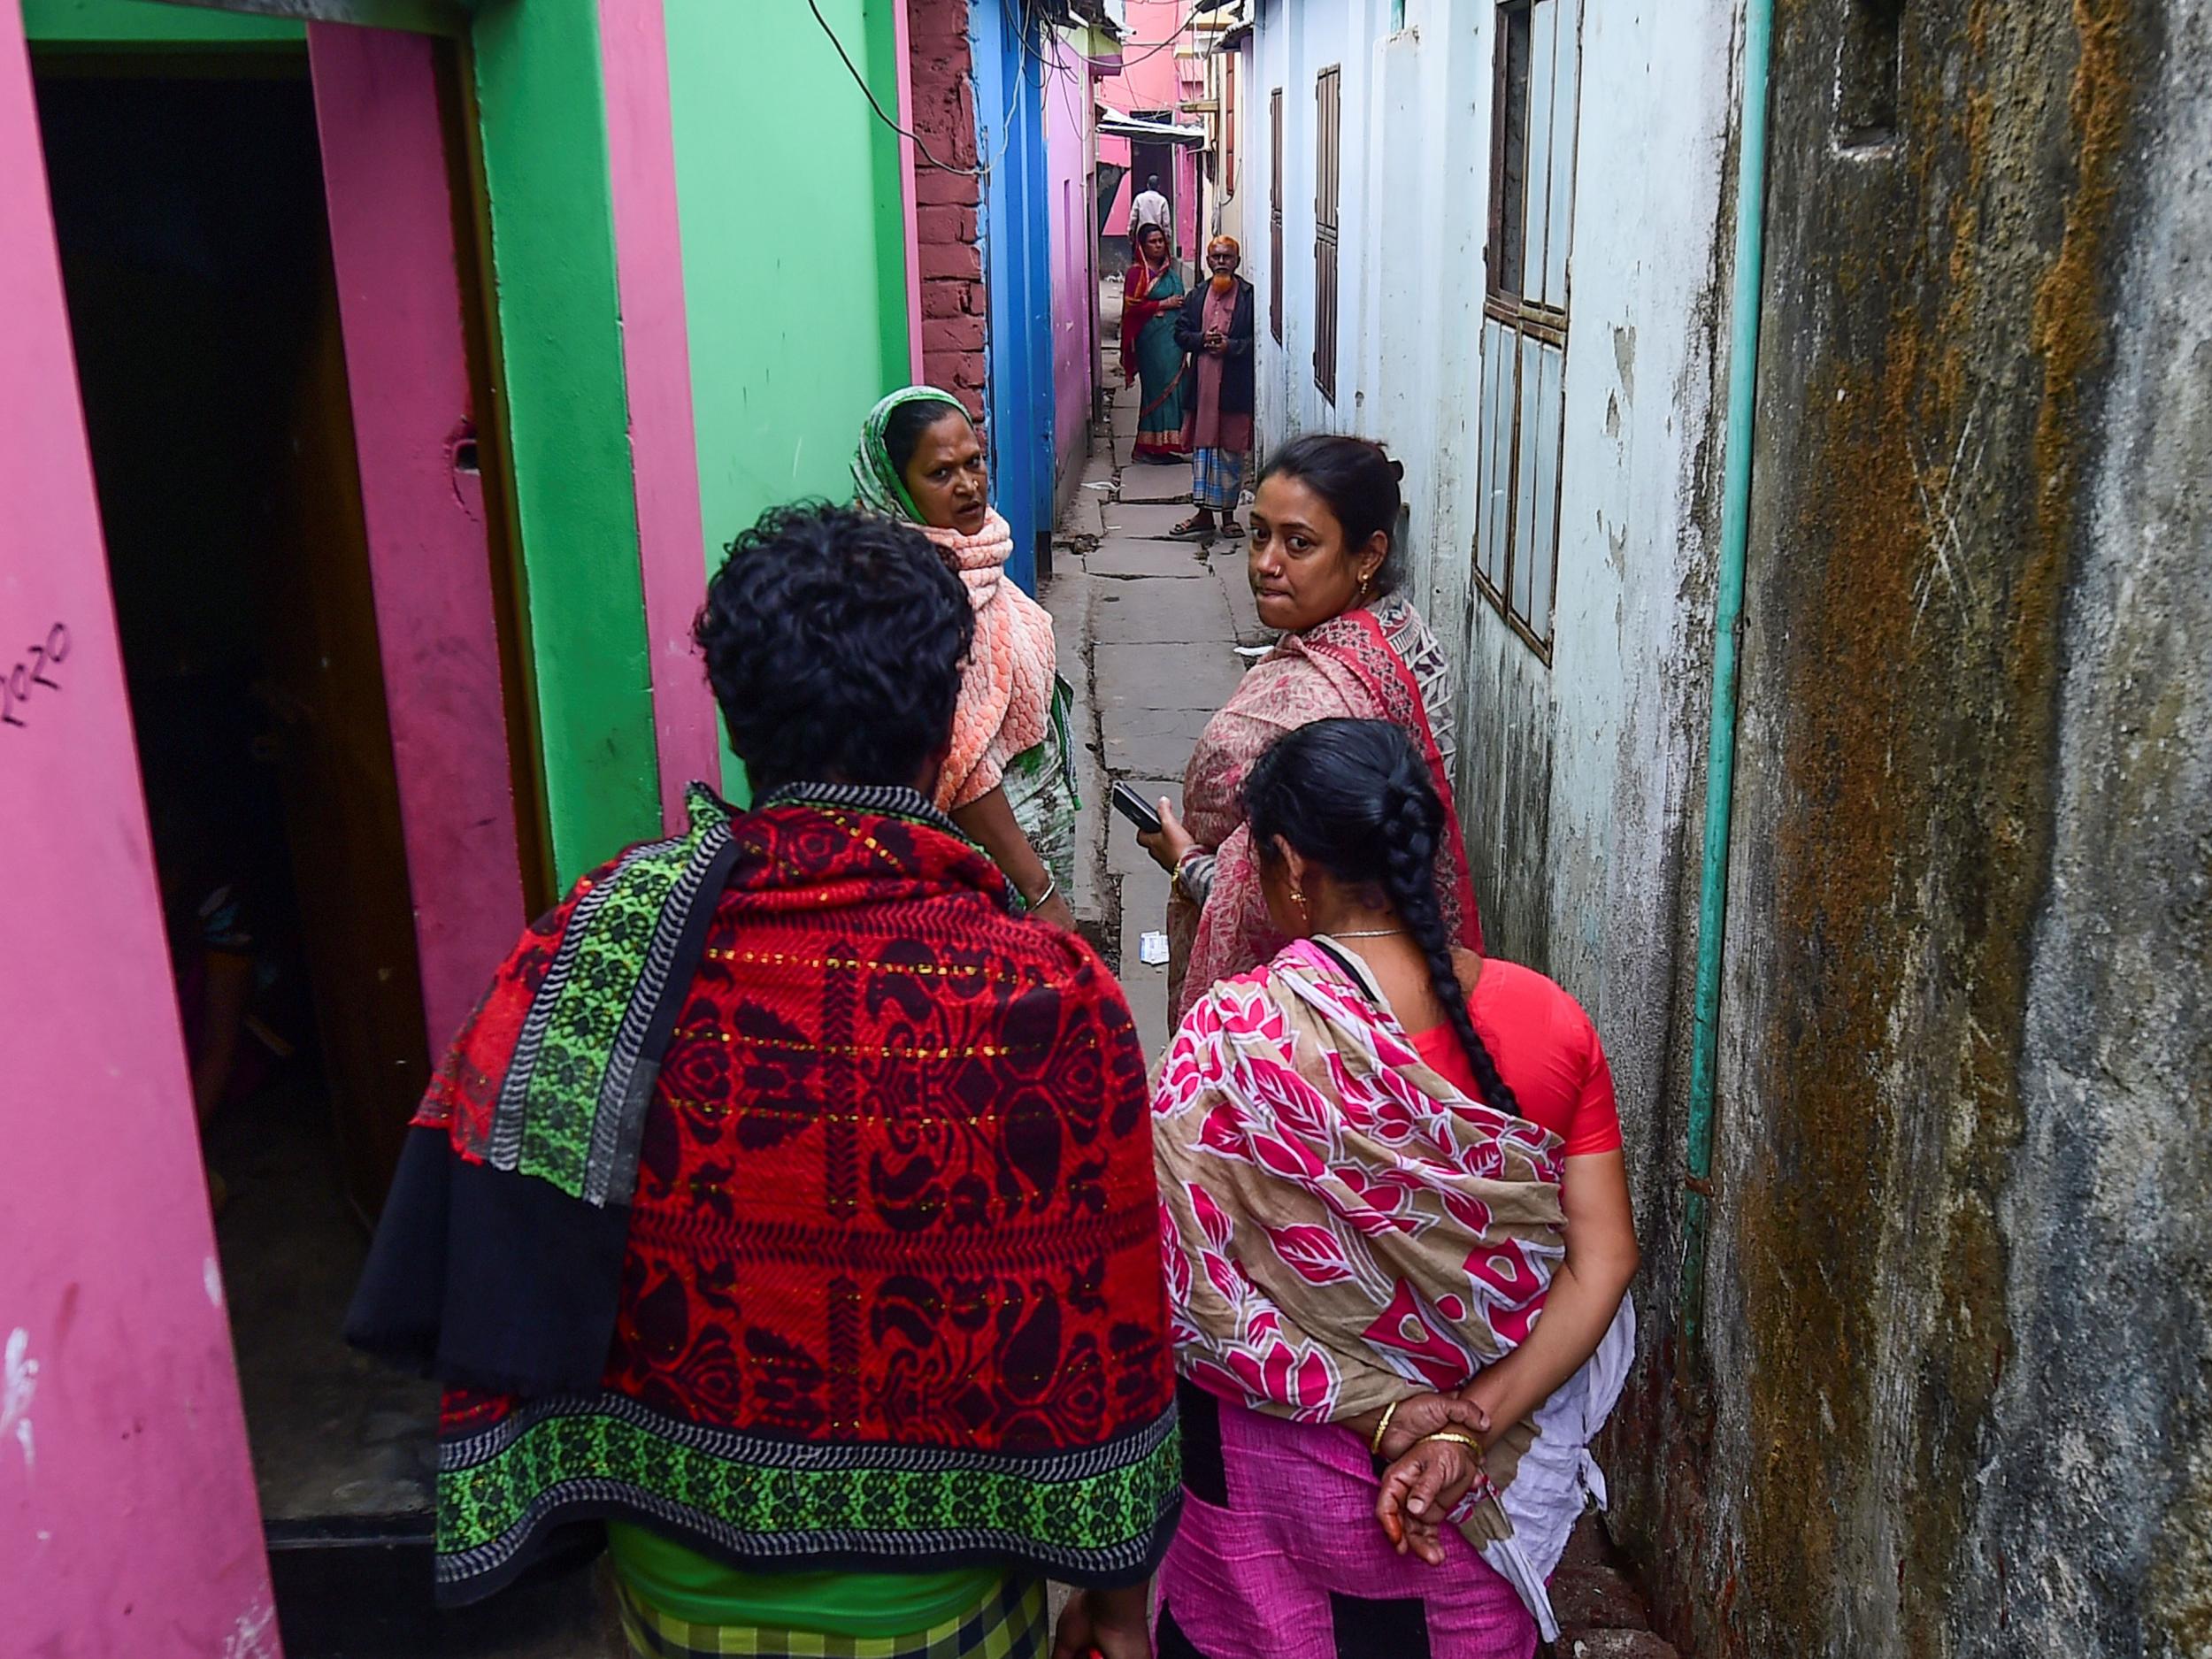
(833, 641)
(1354, 797)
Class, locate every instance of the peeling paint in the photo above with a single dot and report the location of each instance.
(19, 1382)
(254, 1634)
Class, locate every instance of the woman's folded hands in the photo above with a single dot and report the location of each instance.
(1434, 1444)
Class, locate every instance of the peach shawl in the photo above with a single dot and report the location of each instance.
(1006, 696)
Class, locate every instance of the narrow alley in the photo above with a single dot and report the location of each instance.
(1156, 625)
(569, 560)
(1163, 629)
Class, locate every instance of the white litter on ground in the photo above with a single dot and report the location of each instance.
(1152, 950)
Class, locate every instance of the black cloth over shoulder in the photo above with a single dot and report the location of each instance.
(1236, 361)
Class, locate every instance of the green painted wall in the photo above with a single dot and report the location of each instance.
(152, 23)
(794, 248)
(544, 126)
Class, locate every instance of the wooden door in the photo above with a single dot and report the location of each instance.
(340, 788)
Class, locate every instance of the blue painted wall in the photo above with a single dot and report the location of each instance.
(1014, 228)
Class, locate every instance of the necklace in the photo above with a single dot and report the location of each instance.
(1367, 933)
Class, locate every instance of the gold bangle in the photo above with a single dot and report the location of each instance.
(1452, 1437)
(1374, 1447)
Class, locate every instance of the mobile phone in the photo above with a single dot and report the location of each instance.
(1136, 809)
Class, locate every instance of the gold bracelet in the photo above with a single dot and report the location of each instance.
(1374, 1447)
(1452, 1437)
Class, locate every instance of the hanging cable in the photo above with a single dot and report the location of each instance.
(869, 92)
(1189, 17)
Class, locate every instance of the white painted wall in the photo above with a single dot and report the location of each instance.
(1577, 778)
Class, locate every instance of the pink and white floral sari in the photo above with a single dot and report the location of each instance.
(1341, 1226)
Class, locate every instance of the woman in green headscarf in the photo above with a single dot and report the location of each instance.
(1009, 781)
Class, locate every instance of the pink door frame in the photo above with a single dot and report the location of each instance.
(391, 216)
(656, 373)
(128, 1521)
(387, 184)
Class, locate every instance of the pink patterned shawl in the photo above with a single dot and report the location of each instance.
(1340, 1227)
(1353, 665)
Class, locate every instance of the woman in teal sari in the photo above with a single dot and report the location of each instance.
(1152, 299)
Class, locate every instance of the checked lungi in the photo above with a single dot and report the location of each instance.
(1009, 1624)
(1217, 478)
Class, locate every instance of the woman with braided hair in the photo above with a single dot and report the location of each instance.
(1381, 1158)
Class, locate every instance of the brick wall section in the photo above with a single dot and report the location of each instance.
(952, 265)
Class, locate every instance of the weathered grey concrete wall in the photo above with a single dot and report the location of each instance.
(1958, 1334)
(2097, 1533)
(1951, 1397)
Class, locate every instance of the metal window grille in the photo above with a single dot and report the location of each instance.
(1275, 213)
(1328, 150)
(1522, 407)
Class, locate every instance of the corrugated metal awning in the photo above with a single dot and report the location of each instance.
(1113, 124)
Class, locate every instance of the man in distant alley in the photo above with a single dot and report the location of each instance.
(1151, 208)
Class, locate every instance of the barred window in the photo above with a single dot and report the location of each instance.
(1523, 402)
(1328, 148)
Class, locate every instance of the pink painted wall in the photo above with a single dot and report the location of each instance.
(399, 300)
(1148, 81)
(657, 365)
(128, 1522)
(1067, 89)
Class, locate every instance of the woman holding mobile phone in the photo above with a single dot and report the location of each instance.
(1323, 567)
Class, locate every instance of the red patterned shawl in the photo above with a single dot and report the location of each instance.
(889, 1289)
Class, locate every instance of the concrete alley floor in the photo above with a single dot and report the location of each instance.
(1148, 632)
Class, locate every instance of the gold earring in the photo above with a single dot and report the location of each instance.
(1298, 897)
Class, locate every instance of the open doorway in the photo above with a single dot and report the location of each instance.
(1151, 159)
(188, 209)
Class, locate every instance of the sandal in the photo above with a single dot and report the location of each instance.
(1191, 530)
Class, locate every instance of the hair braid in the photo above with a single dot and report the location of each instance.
(1354, 797)
(1411, 820)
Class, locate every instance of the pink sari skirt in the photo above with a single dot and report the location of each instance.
(1279, 1556)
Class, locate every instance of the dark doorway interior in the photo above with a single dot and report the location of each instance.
(1148, 161)
(195, 254)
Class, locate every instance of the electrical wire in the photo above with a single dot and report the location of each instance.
(1157, 47)
(1026, 28)
(869, 92)
(1064, 74)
